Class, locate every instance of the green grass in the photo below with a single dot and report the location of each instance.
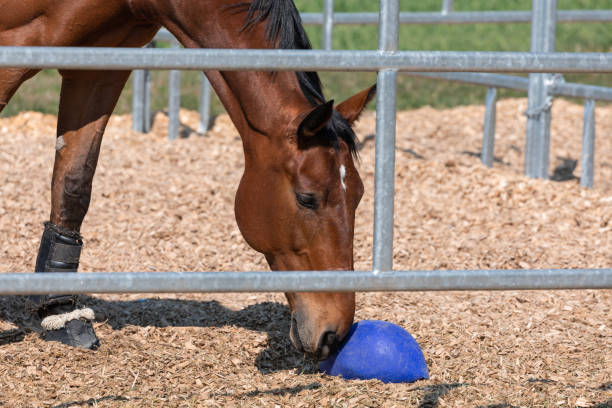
(41, 93)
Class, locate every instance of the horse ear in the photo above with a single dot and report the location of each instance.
(315, 120)
(353, 106)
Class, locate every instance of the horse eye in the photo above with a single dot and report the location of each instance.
(307, 200)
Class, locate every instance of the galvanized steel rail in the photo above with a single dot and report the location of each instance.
(539, 103)
(311, 281)
(298, 60)
(461, 17)
(384, 178)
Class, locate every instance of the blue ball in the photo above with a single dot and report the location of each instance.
(377, 349)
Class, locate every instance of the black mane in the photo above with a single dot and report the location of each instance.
(284, 29)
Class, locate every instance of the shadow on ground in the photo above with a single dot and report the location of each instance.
(433, 393)
(268, 317)
(93, 401)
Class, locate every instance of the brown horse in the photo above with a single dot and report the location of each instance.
(297, 198)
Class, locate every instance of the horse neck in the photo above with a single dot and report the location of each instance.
(257, 102)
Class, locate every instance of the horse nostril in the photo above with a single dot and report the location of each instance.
(330, 338)
(327, 345)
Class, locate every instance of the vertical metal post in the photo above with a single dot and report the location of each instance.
(204, 105)
(543, 25)
(174, 101)
(588, 144)
(146, 109)
(328, 24)
(138, 90)
(146, 114)
(384, 183)
(447, 6)
(141, 98)
(488, 137)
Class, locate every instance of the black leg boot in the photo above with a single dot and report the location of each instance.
(63, 317)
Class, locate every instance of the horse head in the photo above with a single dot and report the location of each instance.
(296, 204)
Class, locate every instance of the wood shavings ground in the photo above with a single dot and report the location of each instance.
(160, 205)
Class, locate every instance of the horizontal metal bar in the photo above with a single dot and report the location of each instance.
(461, 17)
(486, 79)
(582, 91)
(310, 60)
(568, 89)
(302, 281)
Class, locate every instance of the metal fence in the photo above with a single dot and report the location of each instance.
(541, 87)
(387, 61)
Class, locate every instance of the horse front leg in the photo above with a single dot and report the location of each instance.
(86, 102)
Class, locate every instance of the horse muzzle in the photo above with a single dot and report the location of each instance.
(318, 347)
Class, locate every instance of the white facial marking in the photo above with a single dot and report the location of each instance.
(343, 176)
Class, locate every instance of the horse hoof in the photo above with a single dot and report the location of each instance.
(75, 333)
